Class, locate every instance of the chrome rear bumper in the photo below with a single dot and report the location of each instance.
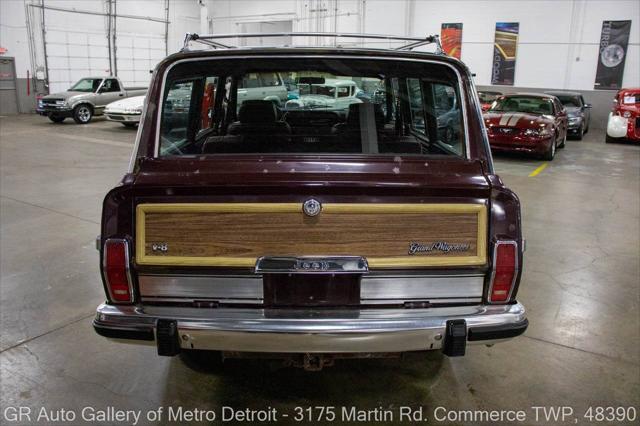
(311, 330)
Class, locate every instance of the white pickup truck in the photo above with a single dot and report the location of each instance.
(86, 98)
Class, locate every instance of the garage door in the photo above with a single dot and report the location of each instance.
(77, 51)
(137, 54)
(139, 43)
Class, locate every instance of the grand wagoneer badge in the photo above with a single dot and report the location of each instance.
(312, 207)
(440, 246)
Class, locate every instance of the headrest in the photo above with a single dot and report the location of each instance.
(258, 111)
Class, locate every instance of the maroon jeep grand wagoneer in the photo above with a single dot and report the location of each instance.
(362, 219)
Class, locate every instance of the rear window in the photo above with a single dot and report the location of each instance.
(327, 106)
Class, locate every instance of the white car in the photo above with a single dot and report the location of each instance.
(126, 111)
(332, 94)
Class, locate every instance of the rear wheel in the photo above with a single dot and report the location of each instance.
(82, 114)
(56, 119)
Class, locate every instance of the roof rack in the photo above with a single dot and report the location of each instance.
(212, 39)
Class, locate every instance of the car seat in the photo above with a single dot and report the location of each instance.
(258, 118)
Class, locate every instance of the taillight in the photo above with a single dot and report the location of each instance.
(116, 270)
(505, 271)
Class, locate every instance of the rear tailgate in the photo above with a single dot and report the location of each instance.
(422, 227)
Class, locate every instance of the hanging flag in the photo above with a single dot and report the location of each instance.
(614, 40)
(504, 53)
(451, 38)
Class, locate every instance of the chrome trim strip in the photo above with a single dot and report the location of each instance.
(312, 264)
(485, 135)
(308, 330)
(202, 286)
(493, 270)
(431, 300)
(127, 258)
(423, 287)
(294, 56)
(200, 299)
(373, 288)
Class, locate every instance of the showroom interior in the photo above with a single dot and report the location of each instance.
(579, 201)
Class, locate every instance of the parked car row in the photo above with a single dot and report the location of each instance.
(539, 123)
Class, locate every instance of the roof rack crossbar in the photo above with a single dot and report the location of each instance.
(429, 40)
(210, 39)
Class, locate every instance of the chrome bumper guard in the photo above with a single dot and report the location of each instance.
(310, 330)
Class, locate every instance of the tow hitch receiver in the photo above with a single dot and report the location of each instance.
(455, 340)
(167, 337)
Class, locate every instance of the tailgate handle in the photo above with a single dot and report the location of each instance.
(312, 265)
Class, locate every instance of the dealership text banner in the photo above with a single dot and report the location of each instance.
(614, 40)
(451, 36)
(504, 53)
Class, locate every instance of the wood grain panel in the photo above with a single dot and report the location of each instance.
(237, 234)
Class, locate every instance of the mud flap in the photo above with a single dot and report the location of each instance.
(455, 340)
(167, 338)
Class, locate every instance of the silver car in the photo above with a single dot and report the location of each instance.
(86, 98)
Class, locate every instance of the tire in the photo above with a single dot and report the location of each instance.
(609, 139)
(551, 153)
(82, 114)
(130, 125)
(581, 133)
(56, 119)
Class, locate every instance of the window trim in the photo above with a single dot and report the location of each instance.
(156, 142)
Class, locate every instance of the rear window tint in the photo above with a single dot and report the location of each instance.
(327, 106)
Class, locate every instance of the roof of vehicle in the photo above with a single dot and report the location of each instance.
(314, 51)
(98, 77)
(338, 82)
(530, 94)
(631, 89)
(562, 93)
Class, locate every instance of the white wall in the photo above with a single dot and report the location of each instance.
(13, 34)
(184, 16)
(558, 44)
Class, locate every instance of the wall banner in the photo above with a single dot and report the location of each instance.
(614, 40)
(451, 37)
(504, 53)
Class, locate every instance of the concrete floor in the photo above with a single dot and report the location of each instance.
(581, 286)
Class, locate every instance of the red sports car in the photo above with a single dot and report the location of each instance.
(487, 98)
(624, 119)
(531, 123)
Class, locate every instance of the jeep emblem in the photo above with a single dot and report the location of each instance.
(312, 207)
